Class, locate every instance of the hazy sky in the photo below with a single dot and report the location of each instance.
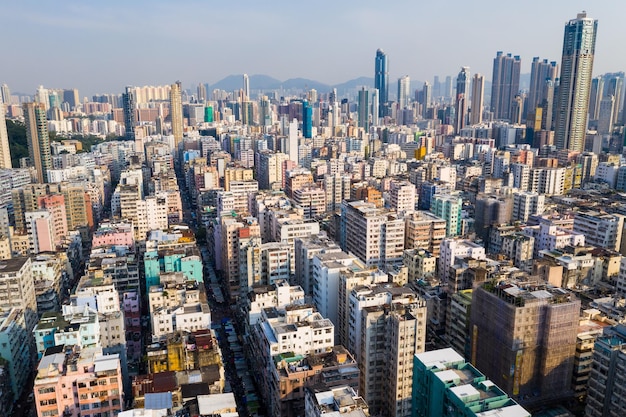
(103, 46)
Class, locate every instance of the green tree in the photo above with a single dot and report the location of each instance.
(17, 141)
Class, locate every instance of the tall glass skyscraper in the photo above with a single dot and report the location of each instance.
(579, 45)
(381, 82)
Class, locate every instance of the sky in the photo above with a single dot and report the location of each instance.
(100, 47)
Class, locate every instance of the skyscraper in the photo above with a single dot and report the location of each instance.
(540, 71)
(478, 94)
(176, 112)
(5, 153)
(364, 109)
(38, 139)
(129, 101)
(579, 45)
(307, 120)
(6, 94)
(246, 87)
(504, 84)
(381, 82)
(613, 86)
(427, 97)
(404, 91)
(462, 98)
(201, 90)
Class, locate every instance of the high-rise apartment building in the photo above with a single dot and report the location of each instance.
(5, 153)
(540, 72)
(363, 115)
(129, 103)
(176, 112)
(404, 91)
(478, 94)
(449, 208)
(386, 327)
(524, 337)
(427, 98)
(246, 87)
(505, 84)
(381, 82)
(579, 44)
(462, 98)
(38, 139)
(375, 236)
(607, 380)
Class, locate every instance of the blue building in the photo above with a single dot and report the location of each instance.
(444, 385)
(307, 119)
(381, 82)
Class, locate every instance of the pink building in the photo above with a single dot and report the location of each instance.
(114, 234)
(40, 229)
(55, 204)
(75, 382)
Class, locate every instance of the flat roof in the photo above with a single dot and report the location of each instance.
(441, 356)
(510, 411)
(216, 403)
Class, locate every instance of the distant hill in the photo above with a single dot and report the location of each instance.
(354, 83)
(304, 84)
(257, 82)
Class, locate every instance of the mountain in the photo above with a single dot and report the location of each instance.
(304, 84)
(257, 82)
(353, 84)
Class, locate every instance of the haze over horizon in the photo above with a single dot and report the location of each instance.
(100, 48)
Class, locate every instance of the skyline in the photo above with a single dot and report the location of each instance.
(88, 43)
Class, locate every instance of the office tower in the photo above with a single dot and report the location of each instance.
(176, 112)
(71, 97)
(540, 72)
(427, 97)
(462, 98)
(363, 110)
(607, 380)
(246, 87)
(129, 101)
(38, 140)
(478, 93)
(444, 385)
(307, 120)
(5, 152)
(5, 93)
(524, 337)
(404, 91)
(579, 44)
(381, 82)
(504, 84)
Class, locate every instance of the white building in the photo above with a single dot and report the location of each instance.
(452, 248)
(526, 204)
